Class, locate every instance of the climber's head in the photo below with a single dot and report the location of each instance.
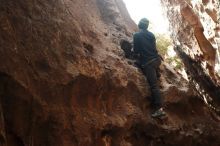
(143, 24)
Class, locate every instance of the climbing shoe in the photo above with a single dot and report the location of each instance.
(159, 113)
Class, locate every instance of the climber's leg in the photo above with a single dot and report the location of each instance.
(151, 75)
(150, 72)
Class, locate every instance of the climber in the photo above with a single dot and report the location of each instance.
(149, 60)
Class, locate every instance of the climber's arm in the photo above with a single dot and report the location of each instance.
(136, 43)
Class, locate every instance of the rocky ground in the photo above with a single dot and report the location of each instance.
(65, 81)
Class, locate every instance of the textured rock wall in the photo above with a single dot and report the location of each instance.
(195, 26)
(64, 81)
(62, 70)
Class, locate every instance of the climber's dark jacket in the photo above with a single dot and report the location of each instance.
(149, 61)
(145, 46)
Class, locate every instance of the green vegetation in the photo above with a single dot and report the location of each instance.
(163, 44)
(175, 61)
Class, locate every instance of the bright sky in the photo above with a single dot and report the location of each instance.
(150, 9)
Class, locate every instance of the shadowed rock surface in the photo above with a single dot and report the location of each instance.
(64, 81)
(195, 30)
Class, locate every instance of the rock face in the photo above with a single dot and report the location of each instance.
(64, 81)
(195, 27)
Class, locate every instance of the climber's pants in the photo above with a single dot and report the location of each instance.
(151, 72)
